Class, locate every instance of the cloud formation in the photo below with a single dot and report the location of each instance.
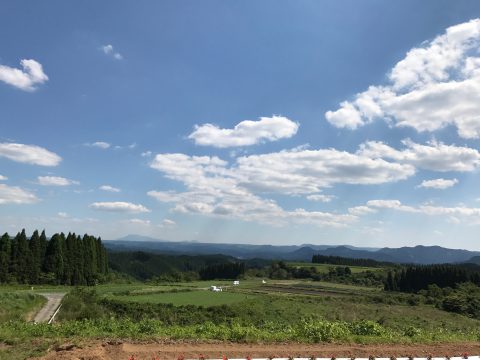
(110, 51)
(245, 133)
(99, 144)
(435, 85)
(109, 188)
(29, 154)
(26, 79)
(16, 195)
(434, 156)
(55, 181)
(456, 214)
(440, 184)
(3, 178)
(119, 206)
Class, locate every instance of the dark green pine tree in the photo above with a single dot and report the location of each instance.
(69, 260)
(54, 257)
(35, 256)
(5, 255)
(78, 276)
(22, 258)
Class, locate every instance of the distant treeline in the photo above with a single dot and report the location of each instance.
(164, 267)
(66, 260)
(338, 260)
(415, 278)
(223, 271)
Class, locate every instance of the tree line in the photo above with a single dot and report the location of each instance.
(339, 260)
(66, 260)
(415, 278)
(232, 270)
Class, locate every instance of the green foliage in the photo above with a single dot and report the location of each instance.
(70, 260)
(18, 306)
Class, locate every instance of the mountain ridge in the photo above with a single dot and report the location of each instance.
(419, 254)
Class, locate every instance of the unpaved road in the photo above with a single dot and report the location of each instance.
(53, 302)
(95, 350)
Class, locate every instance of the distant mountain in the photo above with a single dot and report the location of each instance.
(416, 255)
(474, 260)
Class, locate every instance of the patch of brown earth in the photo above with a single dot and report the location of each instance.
(147, 351)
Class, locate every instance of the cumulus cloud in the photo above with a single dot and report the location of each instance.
(99, 144)
(141, 222)
(245, 133)
(16, 195)
(119, 206)
(3, 178)
(29, 154)
(25, 79)
(435, 85)
(167, 223)
(110, 51)
(217, 189)
(55, 181)
(320, 197)
(457, 214)
(307, 171)
(438, 183)
(109, 188)
(434, 155)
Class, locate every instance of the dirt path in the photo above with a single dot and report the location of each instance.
(172, 351)
(53, 302)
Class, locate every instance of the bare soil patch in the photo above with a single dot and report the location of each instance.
(190, 350)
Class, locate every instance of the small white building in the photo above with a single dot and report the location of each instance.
(264, 282)
(215, 288)
(236, 282)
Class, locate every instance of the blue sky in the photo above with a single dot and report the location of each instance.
(274, 122)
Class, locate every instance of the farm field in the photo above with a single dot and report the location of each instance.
(194, 297)
(279, 311)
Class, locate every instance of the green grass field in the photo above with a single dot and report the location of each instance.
(17, 305)
(195, 297)
(324, 268)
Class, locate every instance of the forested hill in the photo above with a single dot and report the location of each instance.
(411, 255)
(68, 260)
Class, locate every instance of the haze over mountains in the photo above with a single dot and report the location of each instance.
(418, 254)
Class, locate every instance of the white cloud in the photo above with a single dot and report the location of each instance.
(438, 183)
(109, 188)
(168, 223)
(361, 210)
(458, 214)
(390, 204)
(434, 156)
(55, 181)
(215, 189)
(308, 171)
(245, 133)
(16, 195)
(139, 222)
(434, 86)
(99, 144)
(109, 50)
(62, 214)
(119, 206)
(146, 153)
(3, 178)
(320, 197)
(26, 79)
(29, 154)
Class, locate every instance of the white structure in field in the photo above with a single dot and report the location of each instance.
(264, 282)
(215, 289)
(236, 282)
